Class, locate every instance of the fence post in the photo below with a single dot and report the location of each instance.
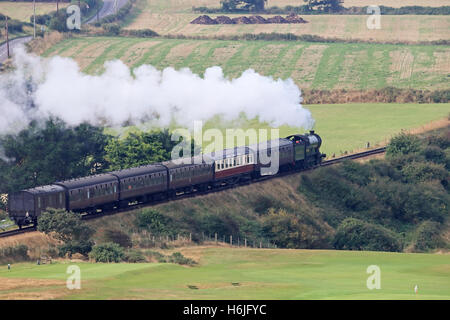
(238, 242)
(215, 237)
(190, 237)
(245, 241)
(260, 244)
(231, 240)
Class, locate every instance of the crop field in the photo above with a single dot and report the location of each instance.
(174, 17)
(310, 65)
(24, 10)
(225, 273)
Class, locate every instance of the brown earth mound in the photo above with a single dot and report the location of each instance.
(224, 20)
(204, 20)
(242, 20)
(276, 19)
(293, 18)
(257, 19)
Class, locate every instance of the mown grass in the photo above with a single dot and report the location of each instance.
(261, 274)
(311, 65)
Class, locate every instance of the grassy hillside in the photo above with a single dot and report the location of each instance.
(310, 65)
(174, 17)
(260, 274)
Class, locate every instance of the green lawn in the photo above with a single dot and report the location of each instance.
(261, 273)
(310, 65)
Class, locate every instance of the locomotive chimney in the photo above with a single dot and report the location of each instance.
(311, 132)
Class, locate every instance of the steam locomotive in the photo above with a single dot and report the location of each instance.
(165, 180)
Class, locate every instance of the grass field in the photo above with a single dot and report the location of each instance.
(174, 17)
(261, 274)
(24, 10)
(310, 65)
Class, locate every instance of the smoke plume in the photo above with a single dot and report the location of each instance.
(39, 88)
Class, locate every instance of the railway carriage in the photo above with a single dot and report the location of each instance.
(188, 174)
(141, 184)
(91, 193)
(233, 165)
(26, 206)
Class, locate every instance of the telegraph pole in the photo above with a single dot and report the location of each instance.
(34, 19)
(57, 6)
(7, 36)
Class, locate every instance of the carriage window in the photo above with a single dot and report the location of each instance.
(88, 194)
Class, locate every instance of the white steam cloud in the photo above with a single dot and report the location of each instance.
(39, 88)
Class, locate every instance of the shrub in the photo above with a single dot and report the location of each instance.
(83, 247)
(435, 154)
(403, 144)
(107, 252)
(14, 254)
(289, 230)
(178, 258)
(354, 234)
(422, 171)
(119, 237)
(133, 256)
(64, 226)
(154, 221)
(112, 28)
(427, 236)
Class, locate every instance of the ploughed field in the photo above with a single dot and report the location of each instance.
(239, 273)
(174, 17)
(311, 65)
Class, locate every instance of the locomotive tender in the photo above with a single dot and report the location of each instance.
(166, 180)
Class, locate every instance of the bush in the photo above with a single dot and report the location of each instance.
(133, 256)
(64, 226)
(155, 222)
(112, 28)
(435, 154)
(178, 258)
(119, 237)
(422, 171)
(83, 247)
(428, 236)
(14, 254)
(107, 252)
(403, 144)
(354, 234)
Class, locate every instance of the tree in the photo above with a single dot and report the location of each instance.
(140, 148)
(243, 5)
(41, 155)
(324, 5)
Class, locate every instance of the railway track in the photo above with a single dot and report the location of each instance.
(17, 231)
(201, 193)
